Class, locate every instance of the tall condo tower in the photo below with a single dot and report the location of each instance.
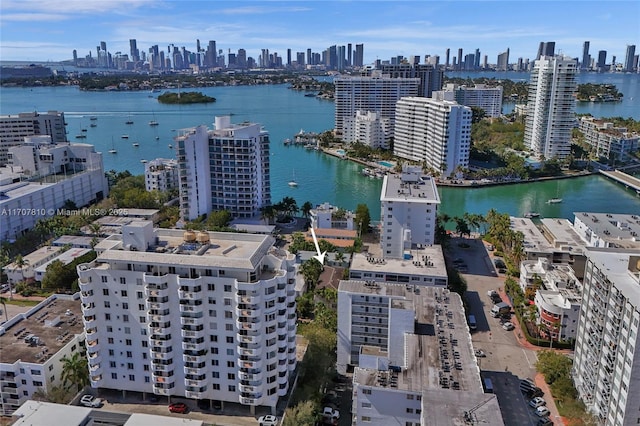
(224, 169)
(551, 106)
(628, 60)
(586, 58)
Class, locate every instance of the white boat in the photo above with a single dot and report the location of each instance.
(143, 161)
(113, 151)
(554, 201)
(153, 123)
(292, 182)
(93, 118)
(170, 146)
(136, 144)
(157, 137)
(81, 136)
(125, 136)
(531, 215)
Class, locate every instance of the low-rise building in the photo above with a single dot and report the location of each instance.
(368, 128)
(608, 229)
(26, 271)
(15, 127)
(411, 349)
(161, 174)
(326, 215)
(480, 95)
(33, 347)
(607, 140)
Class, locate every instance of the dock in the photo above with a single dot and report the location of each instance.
(623, 178)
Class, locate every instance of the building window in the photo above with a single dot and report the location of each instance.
(410, 410)
(122, 280)
(139, 295)
(107, 304)
(232, 388)
(127, 342)
(214, 362)
(127, 330)
(114, 376)
(231, 364)
(110, 340)
(125, 305)
(215, 375)
(213, 338)
(132, 377)
(366, 418)
(227, 302)
(147, 379)
(230, 339)
(227, 287)
(145, 344)
(145, 367)
(129, 366)
(125, 318)
(231, 376)
(211, 287)
(104, 280)
(123, 293)
(105, 291)
(228, 327)
(111, 352)
(109, 329)
(228, 314)
(129, 354)
(366, 391)
(215, 386)
(231, 352)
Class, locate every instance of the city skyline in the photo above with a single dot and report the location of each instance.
(41, 31)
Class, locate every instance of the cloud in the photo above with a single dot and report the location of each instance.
(262, 10)
(33, 17)
(74, 7)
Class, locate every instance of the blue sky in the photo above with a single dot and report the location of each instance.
(40, 30)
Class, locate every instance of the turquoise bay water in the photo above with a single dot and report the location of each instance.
(283, 113)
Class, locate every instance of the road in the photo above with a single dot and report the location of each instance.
(508, 357)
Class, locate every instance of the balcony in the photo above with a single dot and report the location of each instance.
(253, 325)
(192, 320)
(94, 358)
(96, 380)
(195, 371)
(190, 308)
(193, 346)
(160, 343)
(89, 309)
(249, 352)
(161, 367)
(249, 299)
(159, 279)
(190, 334)
(249, 388)
(189, 295)
(159, 317)
(249, 364)
(90, 321)
(156, 291)
(249, 339)
(160, 380)
(164, 356)
(254, 376)
(255, 399)
(195, 394)
(92, 347)
(248, 313)
(95, 369)
(195, 383)
(84, 284)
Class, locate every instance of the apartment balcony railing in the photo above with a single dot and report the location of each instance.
(160, 279)
(248, 299)
(249, 339)
(192, 320)
(156, 291)
(96, 380)
(249, 352)
(89, 310)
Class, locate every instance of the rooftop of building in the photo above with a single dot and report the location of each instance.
(73, 241)
(335, 233)
(175, 247)
(439, 354)
(534, 239)
(37, 413)
(622, 268)
(53, 322)
(608, 127)
(563, 298)
(427, 261)
(563, 236)
(408, 187)
(446, 407)
(65, 257)
(619, 230)
(36, 258)
(329, 208)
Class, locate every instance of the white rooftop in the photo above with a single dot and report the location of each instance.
(35, 413)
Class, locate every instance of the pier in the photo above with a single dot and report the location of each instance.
(623, 178)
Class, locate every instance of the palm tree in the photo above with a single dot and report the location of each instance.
(4, 308)
(94, 228)
(20, 263)
(268, 213)
(306, 209)
(75, 371)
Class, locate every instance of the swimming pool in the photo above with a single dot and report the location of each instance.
(385, 163)
(341, 152)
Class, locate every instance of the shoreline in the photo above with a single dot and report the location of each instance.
(465, 183)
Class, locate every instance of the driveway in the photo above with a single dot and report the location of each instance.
(509, 357)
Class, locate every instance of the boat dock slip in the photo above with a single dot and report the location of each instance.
(623, 178)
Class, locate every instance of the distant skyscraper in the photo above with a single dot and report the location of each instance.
(546, 49)
(349, 55)
(430, 76)
(476, 64)
(469, 62)
(288, 57)
(446, 63)
(503, 61)
(341, 65)
(309, 57)
(241, 59)
(586, 58)
(133, 50)
(602, 60)
(460, 58)
(359, 59)
(211, 55)
(550, 107)
(628, 61)
(300, 59)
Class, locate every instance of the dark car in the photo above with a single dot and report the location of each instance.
(496, 298)
(178, 407)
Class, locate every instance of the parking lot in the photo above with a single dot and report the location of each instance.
(506, 361)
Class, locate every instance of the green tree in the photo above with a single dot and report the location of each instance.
(363, 218)
(75, 371)
(3, 301)
(477, 114)
(218, 219)
(58, 276)
(553, 365)
(311, 270)
(305, 413)
(306, 209)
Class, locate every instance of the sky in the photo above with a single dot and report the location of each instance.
(49, 30)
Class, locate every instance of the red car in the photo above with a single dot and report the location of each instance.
(178, 407)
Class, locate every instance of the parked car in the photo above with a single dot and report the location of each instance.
(178, 407)
(496, 298)
(508, 326)
(268, 420)
(537, 402)
(542, 411)
(545, 421)
(91, 401)
(499, 263)
(330, 413)
(492, 293)
(480, 353)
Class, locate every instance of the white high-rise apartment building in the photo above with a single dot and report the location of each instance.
(13, 129)
(435, 131)
(376, 93)
(208, 316)
(161, 174)
(481, 96)
(224, 169)
(368, 128)
(551, 106)
(408, 209)
(606, 370)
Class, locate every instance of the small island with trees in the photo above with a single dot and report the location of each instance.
(185, 98)
(590, 92)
